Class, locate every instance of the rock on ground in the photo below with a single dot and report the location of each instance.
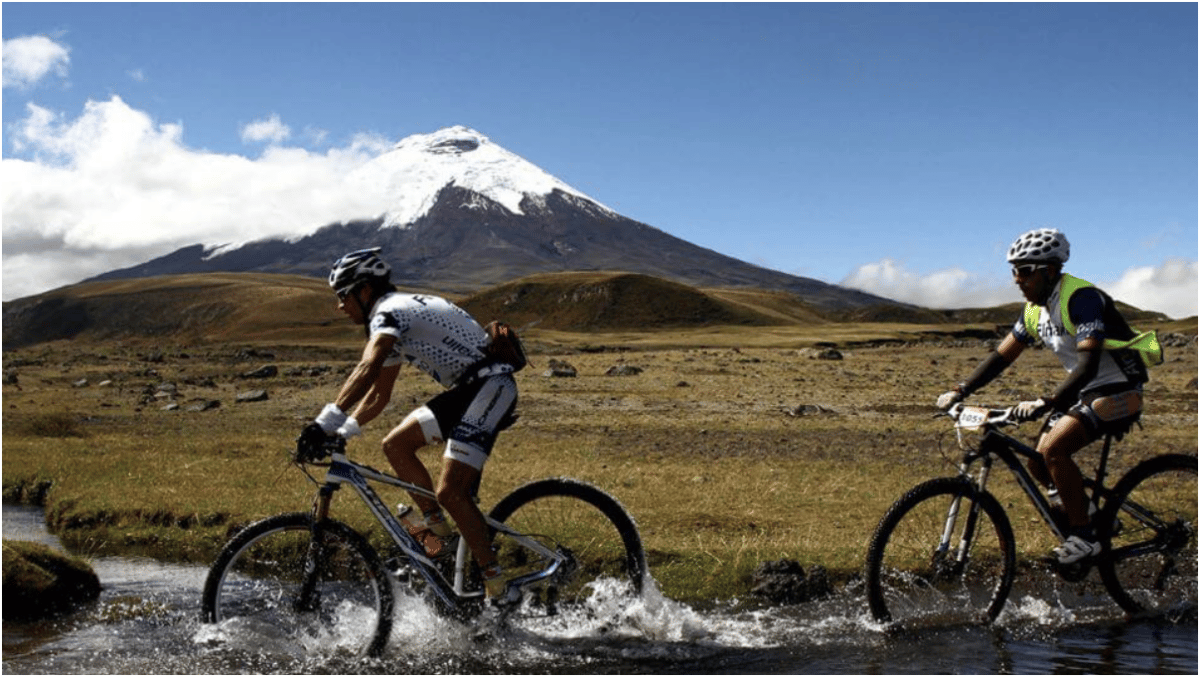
(41, 583)
(785, 582)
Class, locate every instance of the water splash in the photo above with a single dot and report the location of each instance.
(1046, 627)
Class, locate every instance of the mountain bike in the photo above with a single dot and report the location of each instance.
(307, 579)
(945, 551)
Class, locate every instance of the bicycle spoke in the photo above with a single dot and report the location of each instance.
(590, 529)
(914, 579)
(1151, 522)
(278, 592)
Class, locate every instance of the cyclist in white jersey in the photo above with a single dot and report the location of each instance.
(1103, 390)
(444, 341)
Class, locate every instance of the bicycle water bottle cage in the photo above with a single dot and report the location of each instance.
(314, 445)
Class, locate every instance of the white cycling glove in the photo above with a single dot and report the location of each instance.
(349, 429)
(949, 399)
(1029, 409)
(331, 418)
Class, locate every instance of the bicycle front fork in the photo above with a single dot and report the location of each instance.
(309, 597)
(962, 551)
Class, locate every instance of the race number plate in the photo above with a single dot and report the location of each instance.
(972, 418)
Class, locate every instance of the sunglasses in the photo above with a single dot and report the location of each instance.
(1027, 269)
(345, 293)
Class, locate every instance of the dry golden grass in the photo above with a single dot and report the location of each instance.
(733, 446)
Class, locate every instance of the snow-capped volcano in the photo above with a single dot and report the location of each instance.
(419, 166)
(459, 213)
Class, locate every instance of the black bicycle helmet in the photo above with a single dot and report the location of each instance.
(1044, 245)
(358, 267)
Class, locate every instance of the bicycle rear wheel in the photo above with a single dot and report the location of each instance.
(1150, 523)
(917, 577)
(279, 590)
(569, 516)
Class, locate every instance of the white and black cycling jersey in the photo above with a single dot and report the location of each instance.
(432, 334)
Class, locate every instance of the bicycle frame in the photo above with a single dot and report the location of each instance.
(997, 445)
(344, 471)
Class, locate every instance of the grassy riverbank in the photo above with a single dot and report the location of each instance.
(728, 448)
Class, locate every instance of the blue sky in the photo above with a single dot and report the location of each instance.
(898, 148)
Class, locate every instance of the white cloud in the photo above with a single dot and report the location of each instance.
(29, 59)
(949, 288)
(315, 135)
(271, 130)
(1169, 288)
(113, 188)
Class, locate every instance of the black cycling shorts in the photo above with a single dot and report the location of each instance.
(474, 414)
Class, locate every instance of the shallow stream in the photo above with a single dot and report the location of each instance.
(147, 621)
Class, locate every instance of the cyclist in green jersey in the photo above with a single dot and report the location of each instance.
(1102, 392)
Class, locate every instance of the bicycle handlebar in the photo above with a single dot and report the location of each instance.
(966, 416)
(314, 445)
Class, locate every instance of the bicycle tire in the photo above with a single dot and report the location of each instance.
(1149, 561)
(911, 584)
(563, 513)
(256, 580)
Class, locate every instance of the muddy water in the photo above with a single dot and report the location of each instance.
(147, 622)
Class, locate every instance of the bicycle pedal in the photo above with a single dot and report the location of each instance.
(508, 599)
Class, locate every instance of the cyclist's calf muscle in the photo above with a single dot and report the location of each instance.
(455, 495)
(1057, 445)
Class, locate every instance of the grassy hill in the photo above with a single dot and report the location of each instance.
(262, 308)
(206, 307)
(258, 307)
(601, 301)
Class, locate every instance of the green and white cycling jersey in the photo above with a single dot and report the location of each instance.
(1091, 314)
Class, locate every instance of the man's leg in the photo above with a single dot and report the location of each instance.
(401, 446)
(1057, 446)
(456, 496)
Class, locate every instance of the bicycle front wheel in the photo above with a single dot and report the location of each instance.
(1150, 524)
(598, 536)
(942, 554)
(276, 588)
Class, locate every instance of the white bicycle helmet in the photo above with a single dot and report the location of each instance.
(356, 268)
(1041, 245)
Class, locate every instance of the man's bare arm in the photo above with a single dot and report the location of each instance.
(378, 396)
(367, 372)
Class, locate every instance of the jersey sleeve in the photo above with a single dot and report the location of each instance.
(386, 323)
(390, 324)
(1020, 333)
(1086, 309)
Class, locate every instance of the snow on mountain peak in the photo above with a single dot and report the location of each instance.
(411, 174)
